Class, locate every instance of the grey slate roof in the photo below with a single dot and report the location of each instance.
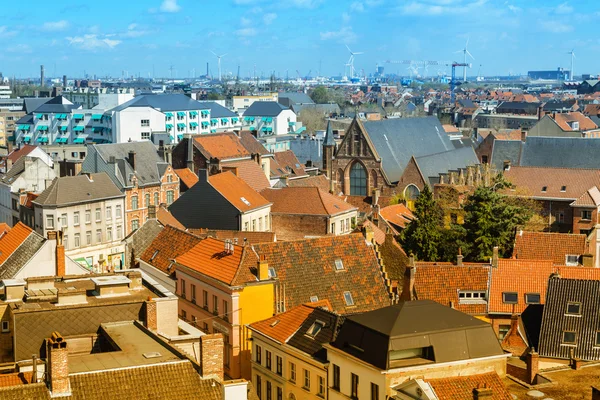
(218, 111)
(21, 255)
(529, 108)
(503, 150)
(397, 140)
(595, 119)
(561, 152)
(558, 105)
(164, 102)
(555, 322)
(31, 104)
(264, 109)
(17, 169)
(57, 105)
(324, 108)
(149, 167)
(25, 119)
(78, 189)
(138, 241)
(329, 140)
(291, 98)
(434, 164)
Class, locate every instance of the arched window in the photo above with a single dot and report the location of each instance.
(358, 180)
(292, 396)
(373, 179)
(411, 192)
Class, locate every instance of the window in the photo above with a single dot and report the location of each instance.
(88, 238)
(470, 296)
(170, 197)
(269, 390)
(259, 386)
(586, 214)
(293, 372)
(510, 298)
(532, 298)
(88, 216)
(279, 365)
(145, 122)
(573, 308)
(205, 298)
(279, 393)
(271, 272)
(597, 343)
(572, 260)
(503, 330)
(354, 386)
(169, 178)
(134, 202)
(484, 159)
(333, 228)
(49, 221)
(268, 359)
(64, 220)
(544, 189)
(225, 307)
(336, 377)
(306, 383)
(184, 315)
(183, 288)
(77, 240)
(339, 265)
(119, 231)
(215, 304)
(66, 242)
(193, 288)
(246, 226)
(118, 209)
(314, 329)
(358, 180)
(321, 392)
(348, 299)
(147, 196)
(314, 299)
(145, 135)
(156, 199)
(109, 235)
(569, 337)
(267, 227)
(98, 235)
(253, 225)
(5, 326)
(258, 354)
(374, 391)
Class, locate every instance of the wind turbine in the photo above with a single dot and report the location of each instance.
(465, 51)
(350, 62)
(219, 62)
(572, 53)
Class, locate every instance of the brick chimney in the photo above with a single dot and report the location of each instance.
(262, 268)
(57, 366)
(211, 355)
(483, 392)
(151, 317)
(495, 257)
(61, 269)
(533, 362)
(408, 286)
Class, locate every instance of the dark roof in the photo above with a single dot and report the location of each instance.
(323, 108)
(397, 140)
(466, 103)
(329, 140)
(561, 152)
(57, 105)
(32, 103)
(251, 144)
(454, 336)
(218, 111)
(139, 240)
(529, 108)
(555, 319)
(25, 119)
(264, 109)
(434, 164)
(314, 346)
(290, 98)
(78, 189)
(531, 320)
(505, 150)
(164, 102)
(559, 105)
(595, 119)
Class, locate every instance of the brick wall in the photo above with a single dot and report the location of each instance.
(517, 372)
(551, 209)
(288, 227)
(580, 224)
(411, 175)
(485, 149)
(58, 366)
(211, 355)
(151, 317)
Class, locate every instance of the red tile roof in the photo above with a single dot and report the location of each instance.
(250, 172)
(165, 217)
(530, 181)
(240, 236)
(461, 387)
(169, 244)
(18, 153)
(527, 276)
(592, 109)
(286, 163)
(288, 323)
(563, 120)
(305, 201)
(20, 378)
(186, 176)
(319, 181)
(251, 144)
(555, 246)
(235, 190)
(210, 258)
(12, 240)
(442, 283)
(4, 228)
(222, 146)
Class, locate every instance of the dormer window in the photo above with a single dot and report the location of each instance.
(572, 260)
(339, 265)
(246, 202)
(315, 328)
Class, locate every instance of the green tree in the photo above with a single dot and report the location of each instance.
(320, 95)
(423, 235)
(491, 220)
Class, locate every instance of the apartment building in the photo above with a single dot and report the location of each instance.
(269, 118)
(241, 103)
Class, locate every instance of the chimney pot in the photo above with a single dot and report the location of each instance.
(262, 268)
(58, 365)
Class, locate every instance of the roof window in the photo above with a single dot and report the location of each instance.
(510, 298)
(315, 328)
(532, 298)
(271, 272)
(573, 308)
(348, 299)
(544, 188)
(314, 299)
(246, 202)
(563, 188)
(339, 265)
(274, 323)
(154, 255)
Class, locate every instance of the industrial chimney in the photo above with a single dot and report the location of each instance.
(42, 75)
(64, 81)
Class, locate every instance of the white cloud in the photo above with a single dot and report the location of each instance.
(305, 3)
(133, 31)
(344, 35)
(438, 7)
(269, 18)
(555, 26)
(93, 42)
(19, 48)
(245, 21)
(357, 7)
(564, 8)
(246, 32)
(170, 6)
(345, 18)
(4, 32)
(55, 26)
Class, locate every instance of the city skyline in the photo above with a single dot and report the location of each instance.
(117, 38)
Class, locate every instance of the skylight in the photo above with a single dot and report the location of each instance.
(246, 202)
(154, 255)
(271, 272)
(563, 189)
(339, 265)
(314, 299)
(544, 188)
(274, 323)
(315, 329)
(348, 299)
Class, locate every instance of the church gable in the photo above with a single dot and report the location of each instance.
(355, 143)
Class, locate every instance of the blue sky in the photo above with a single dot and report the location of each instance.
(109, 36)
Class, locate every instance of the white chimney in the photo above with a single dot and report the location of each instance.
(235, 390)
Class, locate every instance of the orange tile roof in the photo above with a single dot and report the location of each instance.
(15, 379)
(223, 146)
(186, 176)
(210, 258)
(592, 109)
(397, 214)
(555, 246)
(305, 201)
(4, 228)
(250, 172)
(12, 240)
(235, 190)
(509, 135)
(530, 181)
(169, 244)
(289, 322)
(378, 234)
(166, 218)
(319, 181)
(288, 164)
(441, 283)
(563, 119)
(240, 236)
(450, 128)
(591, 198)
(461, 387)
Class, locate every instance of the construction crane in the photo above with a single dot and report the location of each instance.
(453, 82)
